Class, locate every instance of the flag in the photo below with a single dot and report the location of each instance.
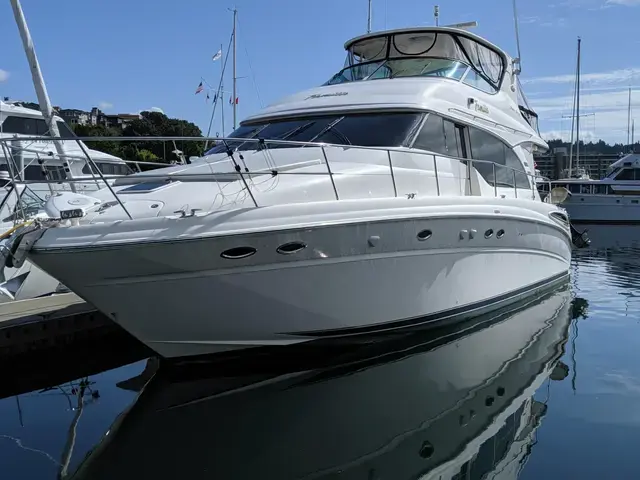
(199, 89)
(231, 100)
(217, 56)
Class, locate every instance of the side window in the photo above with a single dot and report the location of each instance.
(512, 160)
(440, 136)
(626, 174)
(478, 82)
(431, 136)
(485, 146)
(25, 126)
(33, 172)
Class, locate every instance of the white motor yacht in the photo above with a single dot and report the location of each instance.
(37, 160)
(399, 193)
(613, 200)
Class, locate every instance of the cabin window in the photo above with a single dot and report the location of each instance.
(439, 135)
(25, 126)
(64, 130)
(628, 174)
(107, 168)
(599, 189)
(485, 146)
(368, 130)
(473, 79)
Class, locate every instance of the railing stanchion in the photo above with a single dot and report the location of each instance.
(333, 183)
(515, 185)
(435, 170)
(239, 171)
(95, 167)
(393, 178)
(495, 180)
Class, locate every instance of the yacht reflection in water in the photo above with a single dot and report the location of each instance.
(451, 404)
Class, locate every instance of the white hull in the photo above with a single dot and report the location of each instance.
(605, 209)
(359, 275)
(366, 418)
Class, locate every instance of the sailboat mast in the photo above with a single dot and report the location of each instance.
(369, 19)
(220, 97)
(38, 83)
(578, 108)
(629, 118)
(235, 78)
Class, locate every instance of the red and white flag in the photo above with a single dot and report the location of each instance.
(231, 100)
(199, 89)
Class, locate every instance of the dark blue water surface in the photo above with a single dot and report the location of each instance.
(547, 390)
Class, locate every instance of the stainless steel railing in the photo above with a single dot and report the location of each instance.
(234, 148)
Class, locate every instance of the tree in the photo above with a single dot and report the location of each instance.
(112, 148)
(154, 124)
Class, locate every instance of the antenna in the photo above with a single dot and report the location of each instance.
(517, 64)
(436, 14)
(369, 19)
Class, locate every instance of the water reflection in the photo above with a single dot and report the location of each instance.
(455, 404)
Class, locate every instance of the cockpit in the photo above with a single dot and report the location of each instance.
(428, 53)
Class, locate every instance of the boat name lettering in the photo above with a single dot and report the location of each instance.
(322, 95)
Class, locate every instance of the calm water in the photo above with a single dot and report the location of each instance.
(551, 390)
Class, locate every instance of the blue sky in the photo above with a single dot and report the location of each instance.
(129, 56)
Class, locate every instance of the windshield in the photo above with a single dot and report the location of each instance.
(403, 67)
(390, 129)
(487, 64)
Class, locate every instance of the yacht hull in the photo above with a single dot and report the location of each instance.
(603, 209)
(181, 298)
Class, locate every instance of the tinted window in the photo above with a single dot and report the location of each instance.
(33, 172)
(64, 130)
(25, 126)
(431, 136)
(485, 146)
(440, 136)
(370, 130)
(478, 82)
(108, 168)
(627, 174)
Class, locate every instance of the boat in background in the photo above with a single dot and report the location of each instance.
(38, 162)
(613, 200)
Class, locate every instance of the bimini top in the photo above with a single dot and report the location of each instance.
(453, 44)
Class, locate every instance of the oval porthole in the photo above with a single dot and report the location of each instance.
(500, 233)
(291, 247)
(238, 252)
(424, 235)
(488, 233)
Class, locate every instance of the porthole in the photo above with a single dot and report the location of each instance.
(426, 450)
(291, 247)
(424, 235)
(238, 252)
(500, 391)
(488, 233)
(500, 233)
(489, 401)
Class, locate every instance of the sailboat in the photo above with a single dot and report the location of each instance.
(576, 171)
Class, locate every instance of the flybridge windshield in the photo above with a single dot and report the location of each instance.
(441, 47)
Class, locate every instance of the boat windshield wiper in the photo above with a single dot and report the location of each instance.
(329, 128)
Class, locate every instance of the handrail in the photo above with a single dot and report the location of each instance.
(262, 145)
